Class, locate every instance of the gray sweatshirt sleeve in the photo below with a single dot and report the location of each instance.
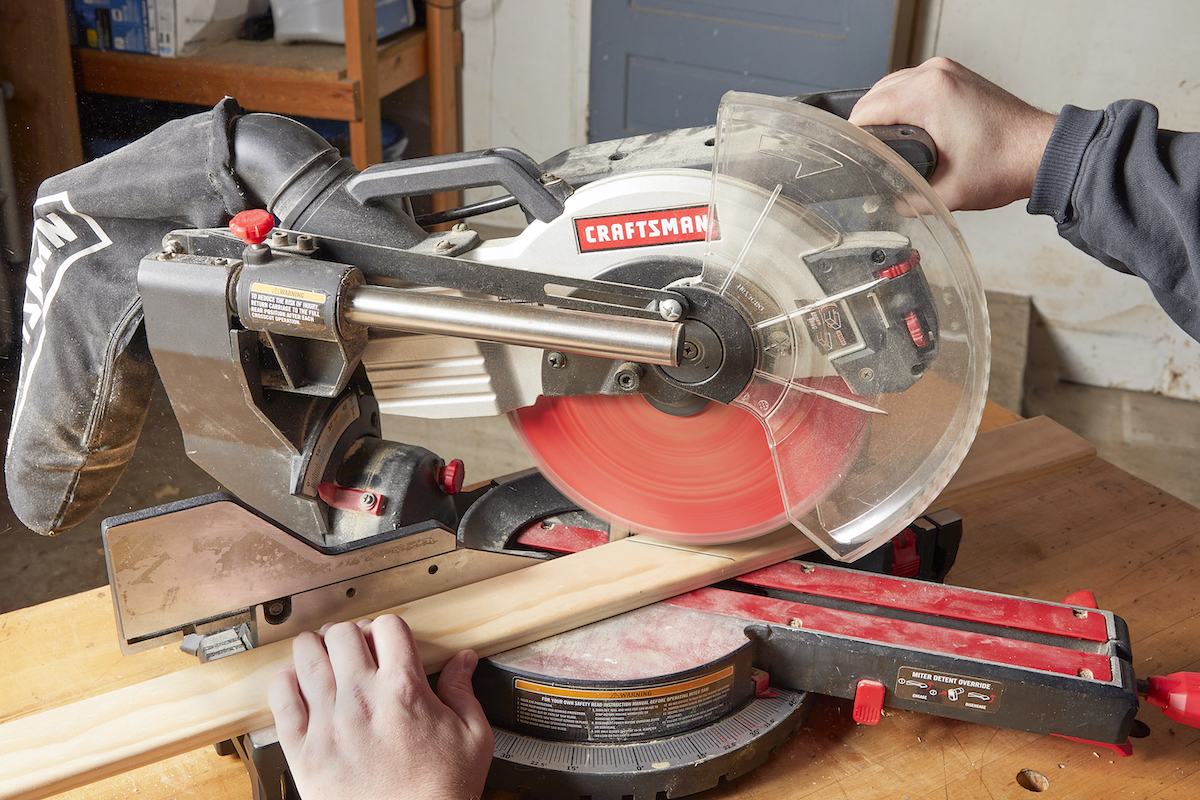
(1128, 194)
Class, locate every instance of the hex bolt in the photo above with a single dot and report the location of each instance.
(670, 309)
(556, 360)
(628, 377)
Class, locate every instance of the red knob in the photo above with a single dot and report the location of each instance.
(450, 476)
(252, 226)
(1178, 695)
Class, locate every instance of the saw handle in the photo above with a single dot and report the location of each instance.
(539, 193)
(911, 143)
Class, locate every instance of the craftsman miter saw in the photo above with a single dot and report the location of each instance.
(701, 336)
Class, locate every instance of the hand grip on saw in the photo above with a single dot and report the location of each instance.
(540, 195)
(911, 143)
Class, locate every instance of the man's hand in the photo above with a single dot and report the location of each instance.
(357, 719)
(989, 141)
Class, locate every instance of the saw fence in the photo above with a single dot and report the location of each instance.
(105, 734)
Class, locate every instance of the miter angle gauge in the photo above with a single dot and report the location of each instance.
(866, 349)
(658, 701)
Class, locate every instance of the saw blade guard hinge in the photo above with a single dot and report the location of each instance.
(540, 194)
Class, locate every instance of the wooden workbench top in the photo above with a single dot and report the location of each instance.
(1092, 527)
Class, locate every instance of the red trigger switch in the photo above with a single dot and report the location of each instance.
(253, 225)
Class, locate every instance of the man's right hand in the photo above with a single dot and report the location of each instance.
(989, 141)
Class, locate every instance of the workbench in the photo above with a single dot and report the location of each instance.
(1091, 527)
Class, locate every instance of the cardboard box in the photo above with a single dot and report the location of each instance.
(185, 27)
(114, 25)
(322, 21)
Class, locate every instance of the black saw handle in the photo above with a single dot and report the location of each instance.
(911, 143)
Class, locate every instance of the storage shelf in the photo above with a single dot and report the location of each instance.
(327, 81)
(303, 79)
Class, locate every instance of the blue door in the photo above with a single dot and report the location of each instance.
(663, 64)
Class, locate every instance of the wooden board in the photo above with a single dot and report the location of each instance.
(173, 713)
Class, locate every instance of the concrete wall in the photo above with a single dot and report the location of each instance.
(525, 80)
(525, 85)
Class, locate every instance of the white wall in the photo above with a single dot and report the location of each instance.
(525, 85)
(1106, 326)
(525, 80)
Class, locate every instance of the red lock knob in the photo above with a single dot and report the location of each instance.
(450, 476)
(252, 226)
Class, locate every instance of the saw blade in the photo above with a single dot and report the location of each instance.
(702, 479)
(869, 356)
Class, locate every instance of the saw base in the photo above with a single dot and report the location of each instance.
(675, 766)
(663, 700)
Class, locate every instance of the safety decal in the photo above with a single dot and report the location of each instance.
(942, 688)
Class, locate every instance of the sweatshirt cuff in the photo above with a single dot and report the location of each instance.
(1060, 163)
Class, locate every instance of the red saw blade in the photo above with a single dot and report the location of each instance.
(707, 478)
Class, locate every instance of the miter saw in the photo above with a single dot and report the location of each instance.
(701, 336)
(794, 336)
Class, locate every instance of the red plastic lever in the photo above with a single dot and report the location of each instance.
(1083, 598)
(868, 702)
(1178, 695)
(352, 499)
(253, 225)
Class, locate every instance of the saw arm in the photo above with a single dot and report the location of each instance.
(804, 292)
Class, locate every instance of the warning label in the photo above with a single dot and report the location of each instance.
(830, 328)
(960, 691)
(282, 305)
(612, 715)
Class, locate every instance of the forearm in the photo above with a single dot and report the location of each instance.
(1128, 194)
